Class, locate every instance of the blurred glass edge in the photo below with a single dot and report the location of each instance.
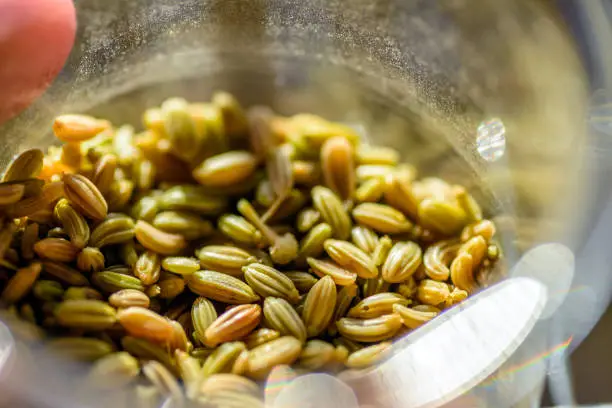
(590, 24)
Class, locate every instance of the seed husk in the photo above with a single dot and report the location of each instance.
(56, 249)
(234, 118)
(127, 298)
(189, 369)
(431, 292)
(456, 296)
(128, 253)
(76, 293)
(412, 317)
(340, 275)
(307, 219)
(280, 172)
(345, 297)
(303, 281)
(195, 199)
(114, 371)
(48, 290)
(290, 206)
(370, 191)
(306, 172)
(147, 350)
(233, 324)
(221, 287)
(319, 306)
(181, 265)
(158, 241)
(262, 359)
(314, 130)
(65, 273)
(78, 128)
(282, 317)
(11, 193)
(164, 380)
(203, 314)
(80, 348)
(240, 230)
(377, 305)
(484, 228)
(261, 134)
(104, 173)
(264, 195)
(476, 247)
(184, 223)
(382, 250)
(351, 257)
(148, 267)
(381, 218)
(110, 281)
(146, 208)
(85, 196)
(398, 194)
(468, 204)
(366, 172)
(364, 238)
(313, 244)
(408, 288)
(223, 358)
(90, 260)
(332, 211)
(85, 314)
(74, 224)
(28, 240)
(374, 286)
(370, 330)
(229, 382)
(402, 262)
(441, 216)
(316, 354)
(112, 231)
(267, 281)
(231, 399)
(338, 166)
(170, 287)
(225, 259)
(27, 164)
(180, 128)
(146, 324)
(283, 248)
(437, 258)
(143, 174)
(225, 169)
(260, 336)
(21, 283)
(368, 356)
(493, 252)
(367, 154)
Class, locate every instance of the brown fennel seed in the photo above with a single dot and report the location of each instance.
(85, 196)
(338, 166)
(233, 324)
(158, 241)
(27, 164)
(265, 275)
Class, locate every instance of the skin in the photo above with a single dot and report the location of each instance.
(36, 37)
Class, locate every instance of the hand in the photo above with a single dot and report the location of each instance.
(36, 37)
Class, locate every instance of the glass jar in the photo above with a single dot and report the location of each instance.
(487, 93)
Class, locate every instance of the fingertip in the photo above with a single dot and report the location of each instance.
(36, 37)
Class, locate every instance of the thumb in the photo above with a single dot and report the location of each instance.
(35, 39)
